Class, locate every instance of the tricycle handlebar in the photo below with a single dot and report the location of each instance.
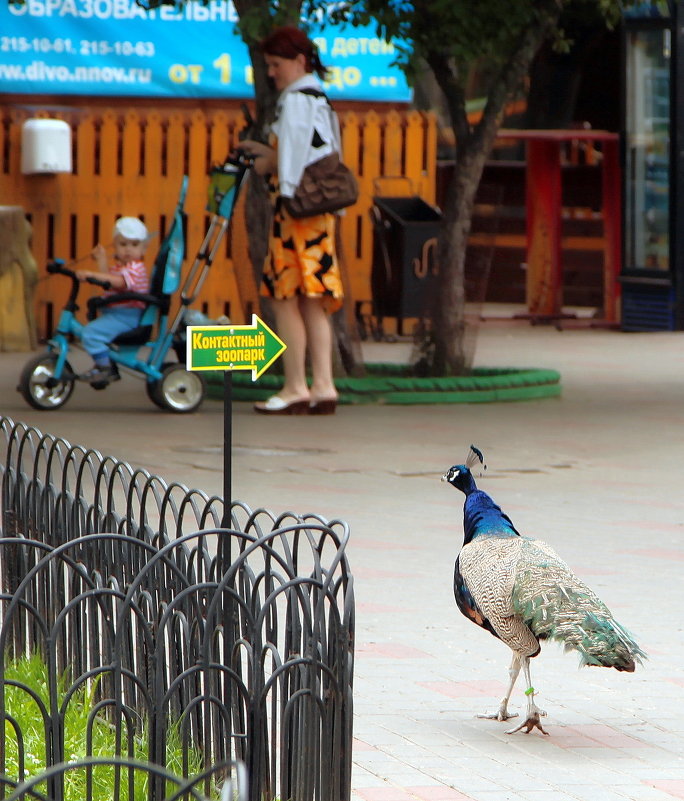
(99, 282)
(57, 267)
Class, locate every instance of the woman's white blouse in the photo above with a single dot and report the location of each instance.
(298, 115)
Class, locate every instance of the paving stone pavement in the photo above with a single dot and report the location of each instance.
(597, 473)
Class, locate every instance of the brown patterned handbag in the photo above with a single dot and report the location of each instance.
(327, 185)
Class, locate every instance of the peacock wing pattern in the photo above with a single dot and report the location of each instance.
(489, 565)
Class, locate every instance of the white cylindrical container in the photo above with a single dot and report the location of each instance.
(45, 146)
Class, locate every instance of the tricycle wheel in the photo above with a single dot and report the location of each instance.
(178, 390)
(40, 388)
(152, 393)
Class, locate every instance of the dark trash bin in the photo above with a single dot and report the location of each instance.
(403, 275)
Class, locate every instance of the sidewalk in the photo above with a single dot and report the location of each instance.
(597, 473)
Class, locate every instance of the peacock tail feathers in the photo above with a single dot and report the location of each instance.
(557, 605)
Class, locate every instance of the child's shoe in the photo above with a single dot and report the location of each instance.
(100, 375)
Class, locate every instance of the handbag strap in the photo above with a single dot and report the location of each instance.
(317, 140)
(310, 90)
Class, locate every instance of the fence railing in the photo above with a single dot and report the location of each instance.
(234, 644)
(125, 778)
(131, 161)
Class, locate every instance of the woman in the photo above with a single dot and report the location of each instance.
(301, 273)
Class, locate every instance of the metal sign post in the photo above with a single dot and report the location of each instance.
(231, 347)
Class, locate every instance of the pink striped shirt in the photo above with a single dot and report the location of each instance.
(137, 280)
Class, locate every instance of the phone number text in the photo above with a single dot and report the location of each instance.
(83, 47)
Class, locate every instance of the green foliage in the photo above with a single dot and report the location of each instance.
(257, 19)
(465, 33)
(26, 711)
(29, 708)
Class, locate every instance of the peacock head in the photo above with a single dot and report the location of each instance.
(460, 476)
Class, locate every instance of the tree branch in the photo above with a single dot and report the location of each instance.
(451, 83)
(512, 73)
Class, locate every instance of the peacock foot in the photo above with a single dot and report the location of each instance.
(531, 722)
(501, 714)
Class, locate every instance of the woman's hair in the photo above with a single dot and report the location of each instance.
(289, 42)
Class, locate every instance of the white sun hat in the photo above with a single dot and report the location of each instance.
(131, 228)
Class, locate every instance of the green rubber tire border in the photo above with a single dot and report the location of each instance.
(393, 384)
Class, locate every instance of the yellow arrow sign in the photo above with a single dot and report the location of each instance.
(233, 347)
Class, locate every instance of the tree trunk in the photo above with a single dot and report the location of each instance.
(473, 145)
(257, 206)
(450, 357)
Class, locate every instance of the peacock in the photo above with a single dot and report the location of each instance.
(521, 591)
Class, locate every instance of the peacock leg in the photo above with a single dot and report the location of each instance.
(502, 713)
(533, 712)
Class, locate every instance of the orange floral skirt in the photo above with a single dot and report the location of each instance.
(301, 259)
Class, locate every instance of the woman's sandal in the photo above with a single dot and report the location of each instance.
(323, 406)
(276, 405)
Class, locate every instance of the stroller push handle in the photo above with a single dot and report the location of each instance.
(249, 121)
(238, 157)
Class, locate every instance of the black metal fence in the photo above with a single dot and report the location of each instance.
(236, 644)
(128, 779)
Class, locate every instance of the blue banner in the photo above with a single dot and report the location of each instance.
(115, 48)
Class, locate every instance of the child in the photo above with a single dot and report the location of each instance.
(126, 274)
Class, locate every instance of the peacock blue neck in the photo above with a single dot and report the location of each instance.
(484, 518)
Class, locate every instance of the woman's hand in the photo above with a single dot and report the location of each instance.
(265, 159)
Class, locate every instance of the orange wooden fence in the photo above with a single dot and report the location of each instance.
(131, 161)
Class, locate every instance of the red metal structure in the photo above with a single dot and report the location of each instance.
(545, 155)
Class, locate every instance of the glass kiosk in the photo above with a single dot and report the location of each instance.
(650, 278)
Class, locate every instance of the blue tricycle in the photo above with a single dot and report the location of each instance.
(155, 350)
